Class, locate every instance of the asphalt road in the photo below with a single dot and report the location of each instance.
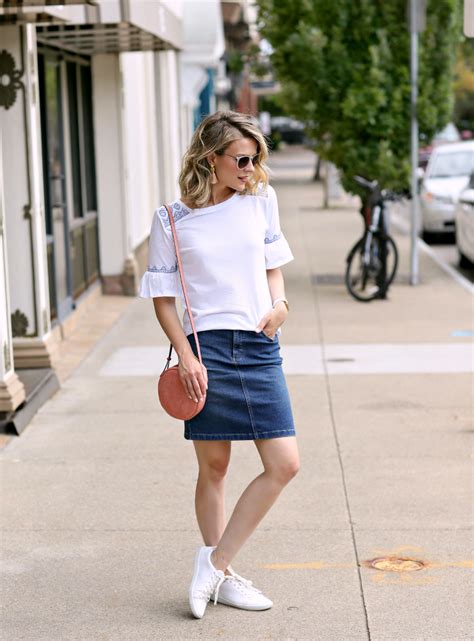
(444, 248)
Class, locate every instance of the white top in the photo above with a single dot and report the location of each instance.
(225, 250)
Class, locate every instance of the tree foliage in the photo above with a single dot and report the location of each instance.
(464, 86)
(345, 70)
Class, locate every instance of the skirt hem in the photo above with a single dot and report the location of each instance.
(239, 437)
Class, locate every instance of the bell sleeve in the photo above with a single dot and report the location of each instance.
(161, 277)
(277, 250)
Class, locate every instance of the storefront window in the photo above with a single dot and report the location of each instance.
(69, 170)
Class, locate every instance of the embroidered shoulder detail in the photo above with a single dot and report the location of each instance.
(272, 239)
(178, 210)
(163, 269)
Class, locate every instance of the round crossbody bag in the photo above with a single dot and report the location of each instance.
(171, 393)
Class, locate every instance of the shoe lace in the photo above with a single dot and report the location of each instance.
(212, 585)
(240, 579)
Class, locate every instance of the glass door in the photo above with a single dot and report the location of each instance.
(54, 174)
(83, 202)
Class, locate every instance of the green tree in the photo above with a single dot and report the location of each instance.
(345, 70)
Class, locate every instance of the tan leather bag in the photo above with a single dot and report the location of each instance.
(171, 393)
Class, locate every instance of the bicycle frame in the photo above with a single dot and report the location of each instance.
(373, 227)
(373, 213)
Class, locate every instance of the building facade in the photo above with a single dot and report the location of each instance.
(98, 101)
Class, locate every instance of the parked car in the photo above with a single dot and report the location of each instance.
(290, 130)
(449, 133)
(447, 174)
(464, 216)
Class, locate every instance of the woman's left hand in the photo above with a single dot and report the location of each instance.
(272, 320)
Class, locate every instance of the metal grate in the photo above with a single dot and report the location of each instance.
(100, 38)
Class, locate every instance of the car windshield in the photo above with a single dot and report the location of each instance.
(456, 163)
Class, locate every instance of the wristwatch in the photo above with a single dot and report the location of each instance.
(281, 300)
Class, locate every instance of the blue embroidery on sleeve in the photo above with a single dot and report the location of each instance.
(163, 269)
(178, 211)
(272, 239)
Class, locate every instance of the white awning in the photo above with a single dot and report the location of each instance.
(107, 26)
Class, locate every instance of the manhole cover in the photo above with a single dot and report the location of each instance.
(394, 564)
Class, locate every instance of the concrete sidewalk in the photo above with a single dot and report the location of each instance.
(98, 522)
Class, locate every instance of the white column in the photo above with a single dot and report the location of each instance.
(141, 157)
(168, 114)
(139, 118)
(38, 226)
(114, 233)
(12, 390)
(24, 204)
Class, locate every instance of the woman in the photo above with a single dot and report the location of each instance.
(232, 249)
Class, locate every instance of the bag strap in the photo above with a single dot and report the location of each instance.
(183, 285)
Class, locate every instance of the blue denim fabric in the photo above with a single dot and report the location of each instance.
(247, 396)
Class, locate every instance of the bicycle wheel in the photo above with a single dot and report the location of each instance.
(363, 274)
(392, 260)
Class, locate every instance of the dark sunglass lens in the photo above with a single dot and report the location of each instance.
(243, 161)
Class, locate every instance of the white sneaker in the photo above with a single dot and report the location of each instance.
(206, 581)
(240, 593)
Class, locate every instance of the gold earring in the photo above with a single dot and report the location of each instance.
(213, 175)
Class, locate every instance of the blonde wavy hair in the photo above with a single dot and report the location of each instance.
(213, 135)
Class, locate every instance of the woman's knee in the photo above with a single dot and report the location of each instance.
(280, 458)
(214, 469)
(213, 461)
(284, 471)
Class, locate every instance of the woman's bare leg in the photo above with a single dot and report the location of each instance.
(213, 460)
(280, 460)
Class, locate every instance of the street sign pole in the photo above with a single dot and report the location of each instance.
(469, 18)
(414, 27)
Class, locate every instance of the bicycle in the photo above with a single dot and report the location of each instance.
(372, 262)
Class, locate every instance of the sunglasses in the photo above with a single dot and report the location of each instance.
(243, 161)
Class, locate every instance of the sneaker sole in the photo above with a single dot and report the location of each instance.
(244, 607)
(197, 558)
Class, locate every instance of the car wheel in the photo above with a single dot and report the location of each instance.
(464, 262)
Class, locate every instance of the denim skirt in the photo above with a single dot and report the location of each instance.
(247, 397)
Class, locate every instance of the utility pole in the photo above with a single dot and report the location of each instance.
(469, 18)
(416, 10)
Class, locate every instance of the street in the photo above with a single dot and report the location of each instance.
(444, 248)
